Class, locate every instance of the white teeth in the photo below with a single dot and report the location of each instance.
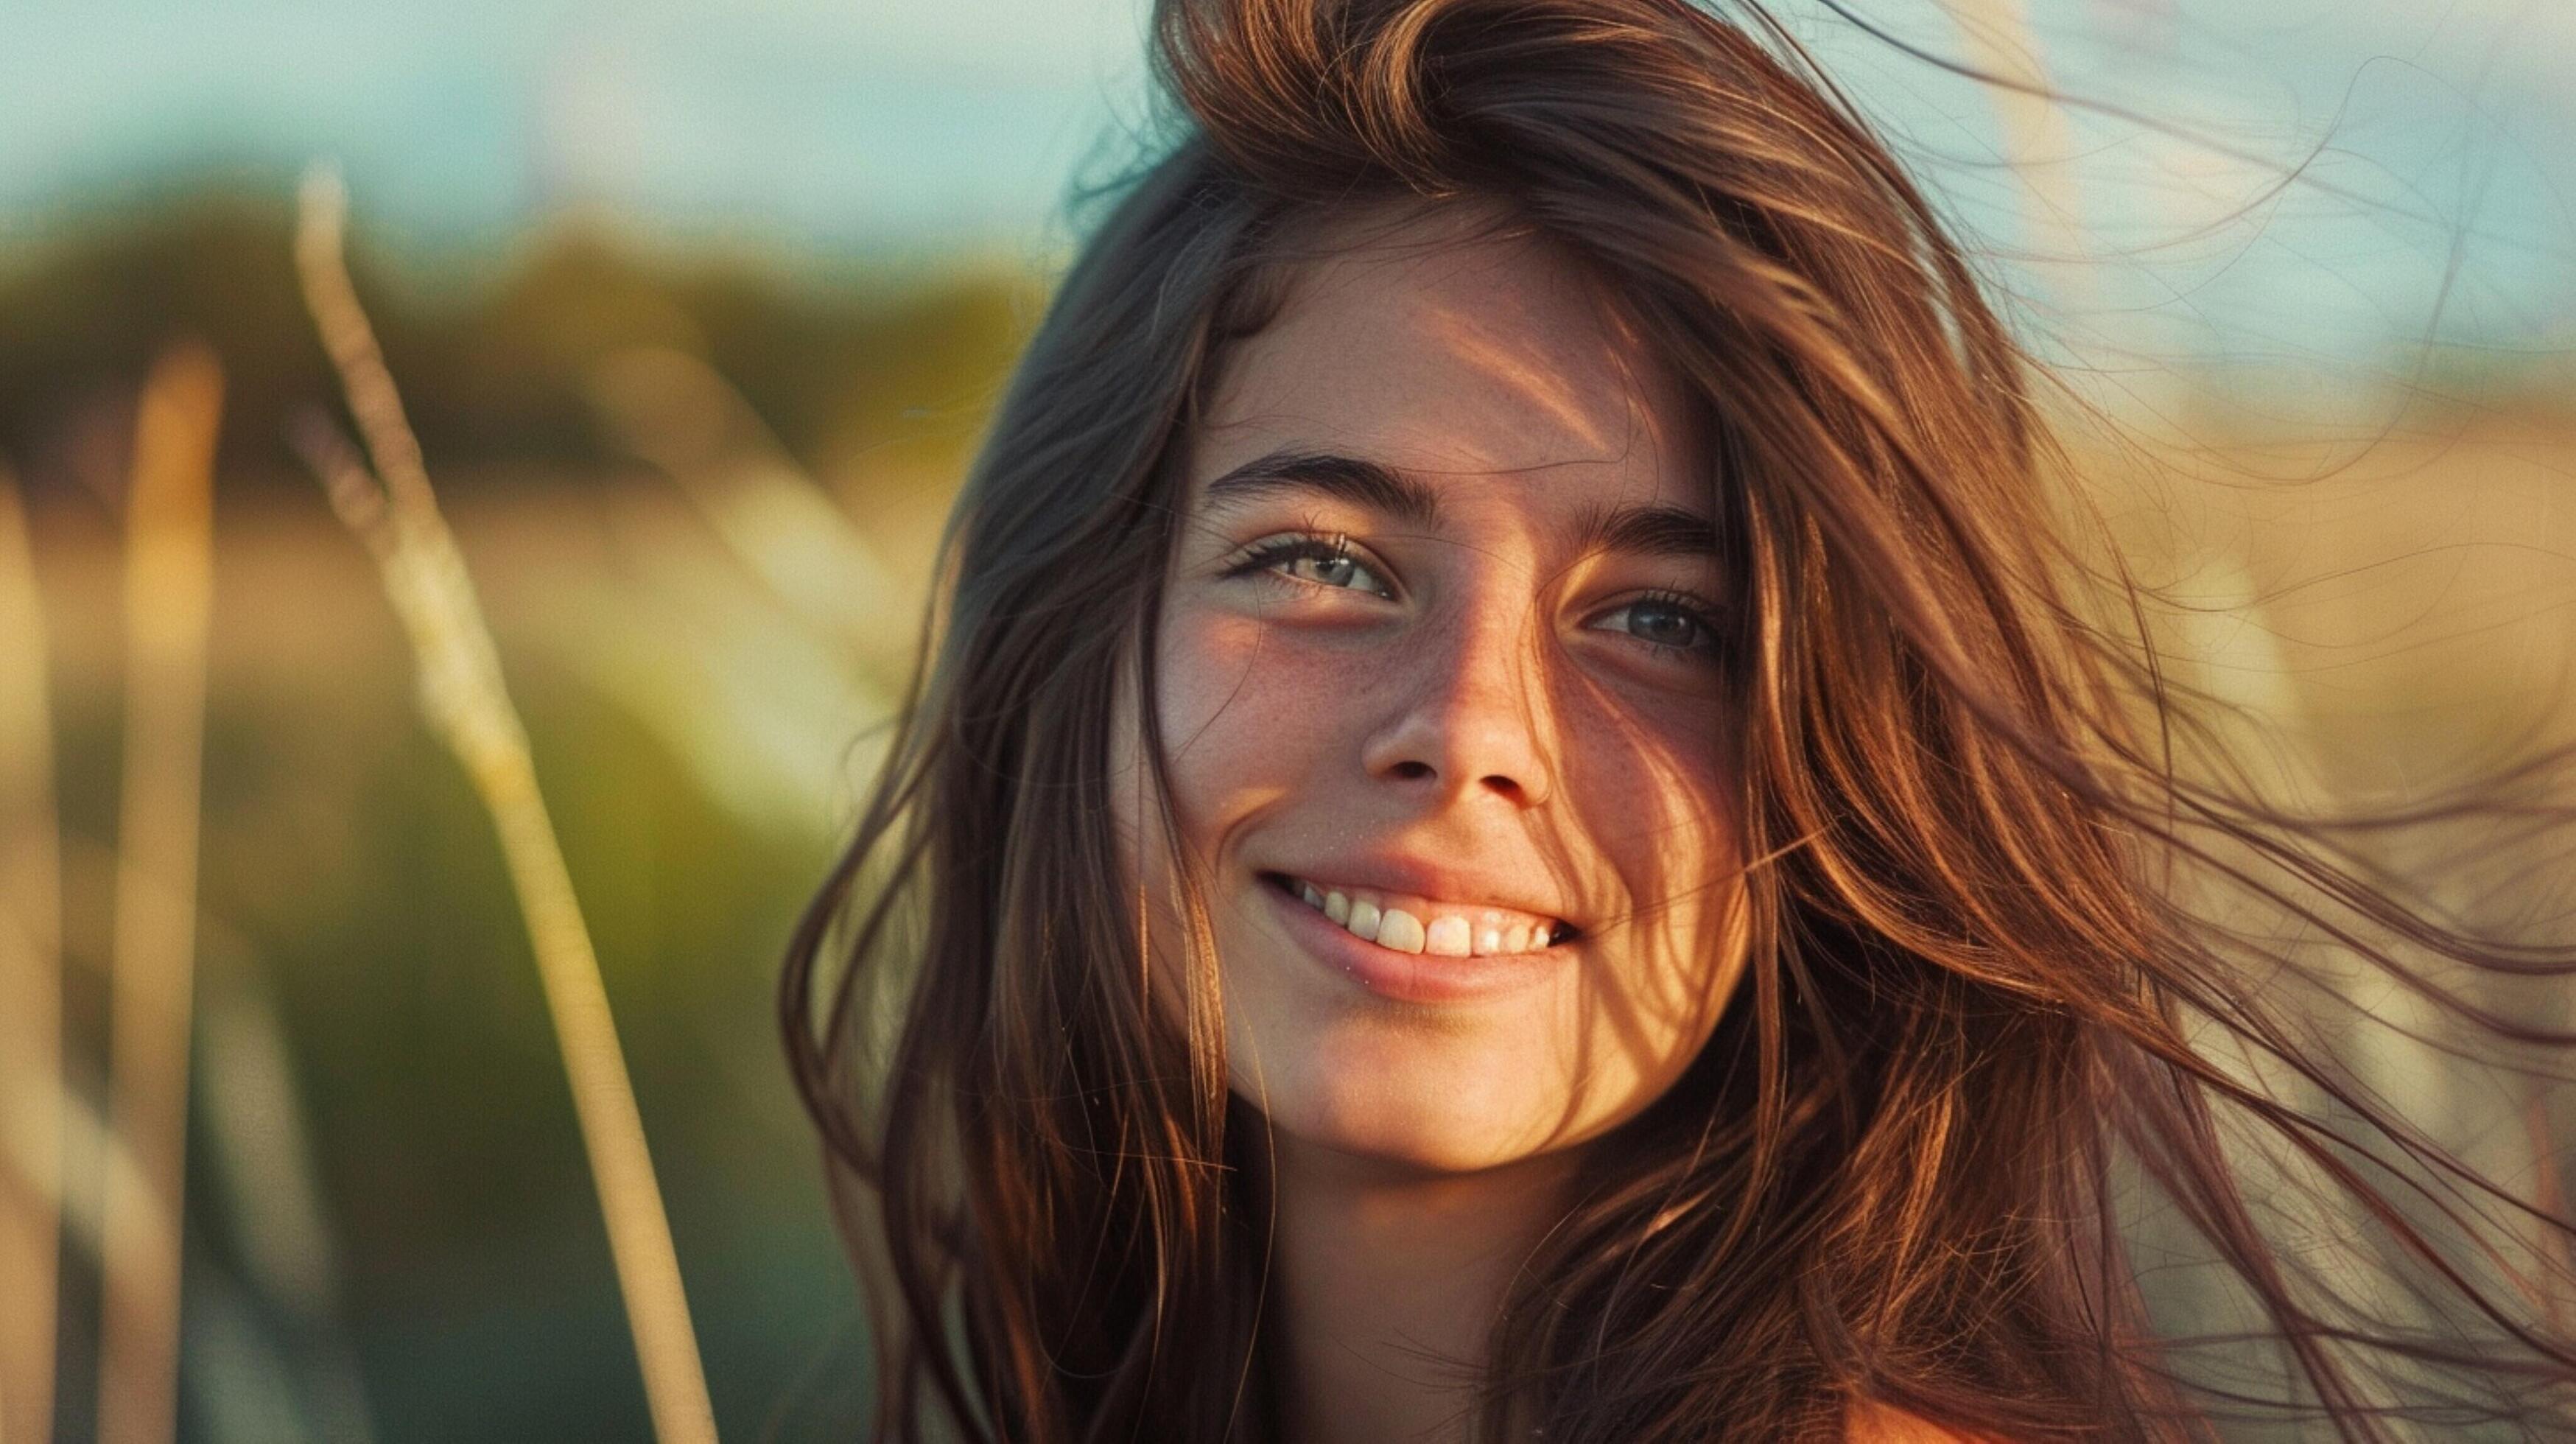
(1400, 930)
(1485, 933)
(1364, 920)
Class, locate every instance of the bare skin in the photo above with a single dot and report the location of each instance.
(1383, 1291)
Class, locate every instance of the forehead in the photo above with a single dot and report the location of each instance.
(1473, 360)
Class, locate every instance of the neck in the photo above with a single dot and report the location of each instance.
(1386, 1284)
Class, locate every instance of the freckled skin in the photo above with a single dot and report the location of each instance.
(1499, 713)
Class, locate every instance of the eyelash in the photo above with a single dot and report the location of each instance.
(1271, 554)
(1700, 612)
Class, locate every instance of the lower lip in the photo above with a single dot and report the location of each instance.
(1415, 977)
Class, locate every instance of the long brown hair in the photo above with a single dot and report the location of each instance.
(1984, 1027)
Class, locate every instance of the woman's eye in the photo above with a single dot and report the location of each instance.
(1662, 623)
(1316, 562)
(1338, 571)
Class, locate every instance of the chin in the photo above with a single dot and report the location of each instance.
(1409, 1104)
(1415, 1141)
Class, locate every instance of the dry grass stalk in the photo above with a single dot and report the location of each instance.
(395, 512)
(31, 995)
(169, 584)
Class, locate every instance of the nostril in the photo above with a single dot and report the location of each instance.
(1413, 771)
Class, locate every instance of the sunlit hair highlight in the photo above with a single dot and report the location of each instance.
(1982, 1019)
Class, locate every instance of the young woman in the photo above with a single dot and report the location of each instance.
(1513, 827)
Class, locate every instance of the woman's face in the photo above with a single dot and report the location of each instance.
(1440, 685)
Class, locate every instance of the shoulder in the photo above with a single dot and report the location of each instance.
(1886, 1424)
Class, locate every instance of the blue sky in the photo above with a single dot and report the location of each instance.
(912, 132)
(876, 125)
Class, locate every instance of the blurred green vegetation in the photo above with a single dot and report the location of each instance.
(351, 884)
(698, 734)
(849, 368)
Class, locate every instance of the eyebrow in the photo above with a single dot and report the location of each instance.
(1655, 531)
(1369, 484)
(1649, 530)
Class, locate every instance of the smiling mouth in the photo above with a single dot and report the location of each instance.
(1407, 923)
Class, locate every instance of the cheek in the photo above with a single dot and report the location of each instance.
(1241, 728)
(1246, 719)
(1647, 781)
(1651, 792)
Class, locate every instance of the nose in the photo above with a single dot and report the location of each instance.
(1466, 716)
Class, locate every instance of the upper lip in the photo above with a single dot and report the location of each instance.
(1398, 873)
